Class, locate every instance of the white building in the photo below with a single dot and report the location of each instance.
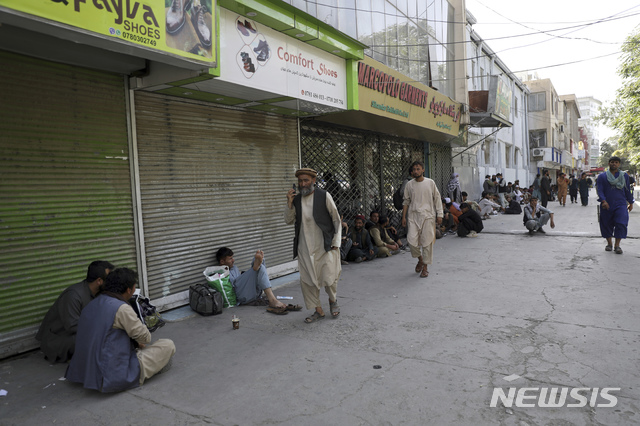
(589, 108)
(498, 133)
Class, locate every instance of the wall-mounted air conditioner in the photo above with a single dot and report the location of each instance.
(538, 152)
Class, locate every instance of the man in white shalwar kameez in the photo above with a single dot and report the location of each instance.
(316, 243)
(423, 205)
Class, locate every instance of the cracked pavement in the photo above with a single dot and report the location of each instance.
(502, 310)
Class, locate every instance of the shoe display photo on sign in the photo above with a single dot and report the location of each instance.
(189, 24)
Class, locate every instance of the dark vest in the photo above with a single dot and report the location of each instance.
(320, 215)
(105, 358)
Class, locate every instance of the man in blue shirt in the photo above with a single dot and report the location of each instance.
(616, 201)
(249, 285)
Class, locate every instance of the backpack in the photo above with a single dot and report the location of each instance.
(398, 197)
(205, 300)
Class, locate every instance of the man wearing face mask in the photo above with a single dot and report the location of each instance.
(316, 243)
(616, 201)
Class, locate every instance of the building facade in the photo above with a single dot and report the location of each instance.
(589, 108)
(497, 132)
(574, 154)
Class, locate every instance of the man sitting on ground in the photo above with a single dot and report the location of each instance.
(386, 246)
(112, 346)
(513, 206)
(249, 285)
(57, 333)
(535, 217)
(487, 206)
(374, 217)
(362, 247)
(470, 222)
(345, 244)
(471, 203)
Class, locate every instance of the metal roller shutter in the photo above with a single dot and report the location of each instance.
(440, 166)
(65, 190)
(211, 177)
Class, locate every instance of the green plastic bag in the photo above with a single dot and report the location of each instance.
(218, 278)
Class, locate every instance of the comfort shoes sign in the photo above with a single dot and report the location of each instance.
(259, 57)
(179, 27)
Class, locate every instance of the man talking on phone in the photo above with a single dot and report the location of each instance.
(316, 243)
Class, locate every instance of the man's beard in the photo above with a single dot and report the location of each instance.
(306, 190)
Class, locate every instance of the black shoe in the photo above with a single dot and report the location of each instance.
(541, 231)
(531, 231)
(358, 260)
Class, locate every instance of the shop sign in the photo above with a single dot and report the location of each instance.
(386, 92)
(259, 57)
(151, 24)
(502, 93)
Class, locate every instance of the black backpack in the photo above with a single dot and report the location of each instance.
(205, 300)
(398, 197)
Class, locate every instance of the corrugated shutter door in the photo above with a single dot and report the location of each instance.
(65, 191)
(211, 177)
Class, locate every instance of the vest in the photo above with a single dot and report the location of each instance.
(104, 359)
(320, 215)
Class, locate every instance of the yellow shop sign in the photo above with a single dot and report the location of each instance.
(159, 25)
(385, 92)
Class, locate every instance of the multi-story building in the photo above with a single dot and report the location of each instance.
(573, 152)
(546, 145)
(589, 107)
(497, 134)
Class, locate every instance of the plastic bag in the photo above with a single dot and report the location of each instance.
(218, 278)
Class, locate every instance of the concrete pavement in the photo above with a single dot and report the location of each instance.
(503, 310)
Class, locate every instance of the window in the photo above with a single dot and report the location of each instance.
(487, 153)
(515, 106)
(537, 138)
(507, 157)
(537, 101)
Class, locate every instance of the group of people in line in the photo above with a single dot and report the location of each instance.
(94, 328)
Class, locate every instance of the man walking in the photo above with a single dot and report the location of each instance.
(316, 243)
(535, 217)
(563, 184)
(616, 201)
(545, 188)
(423, 203)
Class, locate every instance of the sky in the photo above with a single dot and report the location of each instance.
(514, 30)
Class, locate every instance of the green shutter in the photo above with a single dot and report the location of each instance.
(65, 190)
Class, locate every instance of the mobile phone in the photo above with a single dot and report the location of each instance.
(294, 187)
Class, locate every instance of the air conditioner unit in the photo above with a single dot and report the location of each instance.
(538, 152)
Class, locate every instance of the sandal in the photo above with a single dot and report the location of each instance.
(419, 266)
(608, 248)
(424, 273)
(277, 311)
(618, 250)
(291, 307)
(335, 309)
(313, 318)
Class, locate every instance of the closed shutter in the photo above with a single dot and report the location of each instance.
(211, 177)
(65, 191)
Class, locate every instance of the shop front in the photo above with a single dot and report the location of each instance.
(65, 166)
(364, 153)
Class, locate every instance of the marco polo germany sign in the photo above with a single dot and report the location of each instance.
(387, 93)
(184, 29)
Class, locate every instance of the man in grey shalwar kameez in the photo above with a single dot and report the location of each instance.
(316, 243)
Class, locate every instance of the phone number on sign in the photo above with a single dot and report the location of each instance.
(139, 39)
(322, 97)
